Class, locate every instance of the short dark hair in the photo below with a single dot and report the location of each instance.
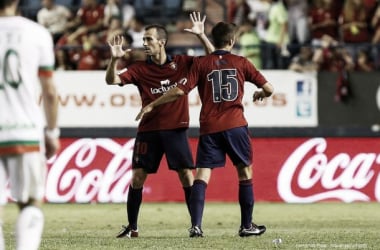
(6, 3)
(162, 33)
(222, 33)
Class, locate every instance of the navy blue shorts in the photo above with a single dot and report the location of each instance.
(213, 148)
(151, 146)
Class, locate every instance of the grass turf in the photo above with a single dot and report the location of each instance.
(164, 226)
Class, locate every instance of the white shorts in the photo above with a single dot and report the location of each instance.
(26, 174)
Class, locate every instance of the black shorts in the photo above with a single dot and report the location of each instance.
(213, 148)
(151, 146)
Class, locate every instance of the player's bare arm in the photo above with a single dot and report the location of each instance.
(117, 52)
(265, 91)
(50, 101)
(170, 96)
(199, 30)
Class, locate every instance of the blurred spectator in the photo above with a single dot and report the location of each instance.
(323, 20)
(91, 57)
(190, 6)
(258, 12)
(89, 17)
(354, 26)
(277, 39)
(375, 24)
(298, 28)
(249, 42)
(365, 61)
(66, 50)
(54, 17)
(114, 27)
(237, 11)
(111, 9)
(332, 56)
(128, 13)
(335, 58)
(136, 30)
(303, 61)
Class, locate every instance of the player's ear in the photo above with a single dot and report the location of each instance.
(232, 42)
(163, 42)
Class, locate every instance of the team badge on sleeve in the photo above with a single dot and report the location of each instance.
(173, 65)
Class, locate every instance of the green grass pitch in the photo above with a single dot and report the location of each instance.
(326, 225)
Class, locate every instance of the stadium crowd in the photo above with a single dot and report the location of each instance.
(339, 36)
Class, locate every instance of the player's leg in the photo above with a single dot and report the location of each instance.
(179, 158)
(134, 200)
(2, 242)
(3, 199)
(197, 200)
(147, 154)
(239, 150)
(27, 181)
(209, 155)
(186, 177)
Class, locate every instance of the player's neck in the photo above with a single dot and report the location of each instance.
(160, 58)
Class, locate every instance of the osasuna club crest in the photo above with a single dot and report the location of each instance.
(173, 65)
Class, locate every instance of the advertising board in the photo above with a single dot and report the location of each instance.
(292, 170)
(87, 101)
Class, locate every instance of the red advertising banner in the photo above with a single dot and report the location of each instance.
(301, 170)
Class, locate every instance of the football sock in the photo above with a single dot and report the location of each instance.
(29, 227)
(246, 201)
(197, 202)
(187, 191)
(133, 205)
(2, 243)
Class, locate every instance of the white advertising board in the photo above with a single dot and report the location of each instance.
(87, 101)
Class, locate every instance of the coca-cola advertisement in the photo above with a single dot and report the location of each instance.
(293, 170)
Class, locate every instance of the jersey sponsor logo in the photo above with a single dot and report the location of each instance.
(166, 86)
(165, 82)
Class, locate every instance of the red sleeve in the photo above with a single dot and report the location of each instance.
(192, 77)
(253, 75)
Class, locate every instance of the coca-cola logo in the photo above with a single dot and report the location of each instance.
(309, 175)
(91, 170)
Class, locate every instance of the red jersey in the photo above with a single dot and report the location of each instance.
(320, 15)
(152, 81)
(220, 78)
(91, 15)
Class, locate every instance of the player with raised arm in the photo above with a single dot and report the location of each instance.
(26, 64)
(165, 130)
(220, 78)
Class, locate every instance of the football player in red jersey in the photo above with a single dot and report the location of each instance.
(220, 79)
(163, 131)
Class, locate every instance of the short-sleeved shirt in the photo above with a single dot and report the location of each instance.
(153, 81)
(91, 15)
(26, 50)
(278, 15)
(220, 78)
(54, 19)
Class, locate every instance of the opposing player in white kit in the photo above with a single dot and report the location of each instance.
(26, 61)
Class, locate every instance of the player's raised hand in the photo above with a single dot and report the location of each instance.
(143, 111)
(198, 23)
(116, 45)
